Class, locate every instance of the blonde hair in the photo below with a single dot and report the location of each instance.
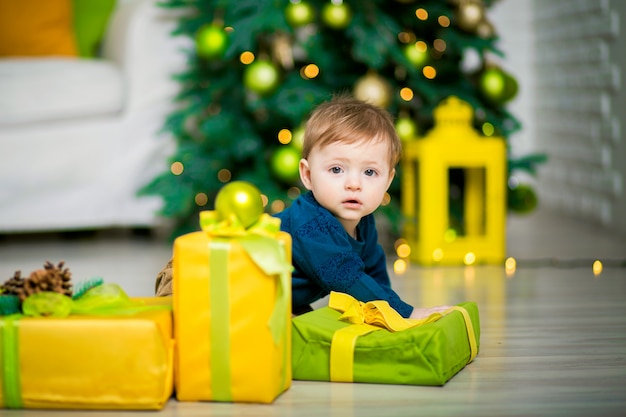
(349, 120)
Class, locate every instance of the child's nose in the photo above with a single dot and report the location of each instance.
(353, 182)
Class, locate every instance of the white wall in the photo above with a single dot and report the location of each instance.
(566, 56)
(512, 20)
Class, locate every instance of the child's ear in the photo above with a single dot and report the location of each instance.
(392, 174)
(305, 173)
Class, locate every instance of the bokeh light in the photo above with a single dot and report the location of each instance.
(246, 57)
(510, 265)
(400, 266)
(403, 250)
(284, 136)
(177, 168)
(449, 235)
(293, 193)
(421, 14)
(469, 258)
(201, 199)
(224, 175)
(429, 72)
(405, 37)
(597, 267)
(439, 45)
(277, 206)
(488, 129)
(406, 94)
(310, 71)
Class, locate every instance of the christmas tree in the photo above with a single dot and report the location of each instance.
(258, 67)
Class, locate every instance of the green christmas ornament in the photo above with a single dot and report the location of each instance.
(299, 13)
(297, 137)
(522, 199)
(511, 87)
(211, 41)
(492, 85)
(336, 16)
(285, 164)
(241, 200)
(261, 77)
(416, 55)
(406, 128)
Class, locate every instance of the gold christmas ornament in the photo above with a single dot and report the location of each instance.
(485, 29)
(373, 89)
(282, 51)
(469, 15)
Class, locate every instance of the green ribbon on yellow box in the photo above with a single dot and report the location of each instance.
(268, 253)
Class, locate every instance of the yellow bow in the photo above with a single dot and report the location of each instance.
(378, 313)
(369, 317)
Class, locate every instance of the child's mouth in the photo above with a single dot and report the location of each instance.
(353, 203)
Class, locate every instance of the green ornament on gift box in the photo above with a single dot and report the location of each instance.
(240, 201)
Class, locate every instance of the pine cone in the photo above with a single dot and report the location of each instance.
(61, 277)
(51, 278)
(14, 285)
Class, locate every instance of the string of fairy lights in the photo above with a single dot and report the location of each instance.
(511, 264)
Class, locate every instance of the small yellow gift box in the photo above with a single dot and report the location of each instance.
(232, 312)
(123, 361)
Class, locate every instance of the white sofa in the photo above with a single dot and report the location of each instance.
(80, 137)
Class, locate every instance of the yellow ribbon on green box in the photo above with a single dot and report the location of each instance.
(369, 317)
(260, 243)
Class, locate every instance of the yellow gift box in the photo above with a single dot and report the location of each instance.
(123, 361)
(232, 313)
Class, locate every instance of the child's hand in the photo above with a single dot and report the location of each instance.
(422, 313)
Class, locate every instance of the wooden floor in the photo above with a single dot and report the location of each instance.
(553, 333)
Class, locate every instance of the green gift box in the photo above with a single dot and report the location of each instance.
(427, 354)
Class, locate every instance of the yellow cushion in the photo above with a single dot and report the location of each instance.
(36, 28)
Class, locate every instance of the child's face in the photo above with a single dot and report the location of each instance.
(350, 180)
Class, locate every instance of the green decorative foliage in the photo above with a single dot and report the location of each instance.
(228, 121)
(84, 286)
(9, 304)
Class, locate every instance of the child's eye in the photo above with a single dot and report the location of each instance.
(370, 172)
(335, 170)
